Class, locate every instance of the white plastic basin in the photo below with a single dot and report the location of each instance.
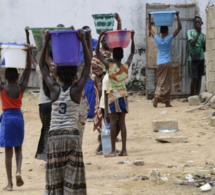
(13, 55)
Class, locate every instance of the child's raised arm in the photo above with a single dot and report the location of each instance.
(54, 89)
(151, 32)
(119, 22)
(89, 42)
(87, 60)
(27, 35)
(175, 33)
(27, 71)
(1, 84)
(48, 58)
(100, 57)
(76, 91)
(129, 60)
(33, 61)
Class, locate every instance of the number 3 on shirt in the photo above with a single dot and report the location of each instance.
(63, 107)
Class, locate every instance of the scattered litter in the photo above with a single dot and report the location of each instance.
(171, 139)
(163, 112)
(124, 162)
(141, 177)
(206, 187)
(155, 173)
(189, 177)
(164, 178)
(139, 162)
(88, 163)
(167, 130)
(189, 163)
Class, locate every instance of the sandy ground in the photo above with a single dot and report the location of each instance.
(107, 176)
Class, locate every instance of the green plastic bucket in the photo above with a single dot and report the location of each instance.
(103, 22)
(38, 34)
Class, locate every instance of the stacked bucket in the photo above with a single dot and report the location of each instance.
(114, 38)
(66, 47)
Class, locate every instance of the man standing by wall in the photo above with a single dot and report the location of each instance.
(196, 58)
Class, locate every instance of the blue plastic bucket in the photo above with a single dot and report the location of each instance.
(163, 18)
(66, 49)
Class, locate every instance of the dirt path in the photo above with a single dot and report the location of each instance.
(105, 176)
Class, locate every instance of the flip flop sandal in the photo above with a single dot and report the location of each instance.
(99, 152)
(110, 155)
(19, 181)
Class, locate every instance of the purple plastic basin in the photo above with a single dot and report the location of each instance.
(65, 47)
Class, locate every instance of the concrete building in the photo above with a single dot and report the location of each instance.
(210, 49)
(16, 15)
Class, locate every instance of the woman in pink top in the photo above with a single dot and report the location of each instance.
(117, 97)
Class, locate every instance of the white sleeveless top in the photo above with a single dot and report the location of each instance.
(42, 97)
(65, 112)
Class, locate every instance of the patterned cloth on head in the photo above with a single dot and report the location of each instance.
(97, 67)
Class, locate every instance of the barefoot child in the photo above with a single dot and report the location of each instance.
(44, 103)
(12, 122)
(117, 97)
(65, 172)
(99, 72)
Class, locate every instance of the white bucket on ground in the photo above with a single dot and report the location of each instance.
(13, 55)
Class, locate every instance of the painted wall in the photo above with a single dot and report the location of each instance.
(16, 15)
(210, 49)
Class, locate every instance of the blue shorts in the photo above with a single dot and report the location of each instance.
(119, 105)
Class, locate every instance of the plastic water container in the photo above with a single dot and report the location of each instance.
(106, 142)
(163, 18)
(65, 47)
(13, 55)
(94, 43)
(167, 130)
(118, 38)
(38, 34)
(103, 22)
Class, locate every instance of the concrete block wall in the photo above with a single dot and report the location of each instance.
(210, 49)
